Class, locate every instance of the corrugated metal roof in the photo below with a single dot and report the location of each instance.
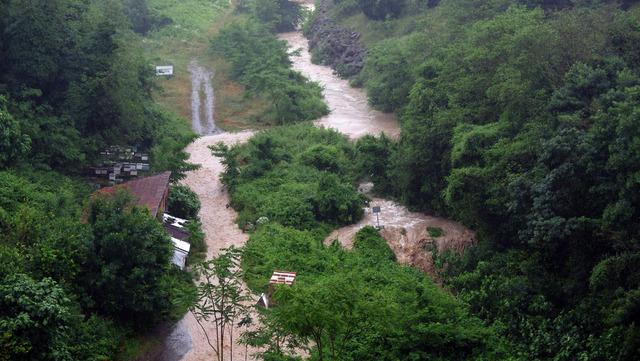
(148, 191)
(177, 232)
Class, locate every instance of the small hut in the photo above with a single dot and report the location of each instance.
(277, 278)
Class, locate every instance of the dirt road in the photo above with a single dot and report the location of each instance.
(202, 120)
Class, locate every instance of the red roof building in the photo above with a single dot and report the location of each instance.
(150, 192)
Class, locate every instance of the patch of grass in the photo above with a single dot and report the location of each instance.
(435, 232)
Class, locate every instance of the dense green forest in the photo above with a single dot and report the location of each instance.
(522, 120)
(72, 82)
(292, 185)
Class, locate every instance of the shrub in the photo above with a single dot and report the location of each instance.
(381, 9)
(183, 202)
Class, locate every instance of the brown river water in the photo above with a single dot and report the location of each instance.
(350, 114)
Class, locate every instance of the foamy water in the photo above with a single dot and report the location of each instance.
(350, 111)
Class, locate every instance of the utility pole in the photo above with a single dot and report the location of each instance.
(376, 210)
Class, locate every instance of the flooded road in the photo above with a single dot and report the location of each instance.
(202, 120)
(176, 344)
(350, 112)
(406, 232)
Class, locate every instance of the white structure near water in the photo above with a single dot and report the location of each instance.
(164, 70)
(176, 228)
(180, 252)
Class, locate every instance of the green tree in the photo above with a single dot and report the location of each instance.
(381, 9)
(279, 15)
(129, 260)
(221, 300)
(13, 143)
(229, 159)
(183, 202)
(35, 319)
(140, 16)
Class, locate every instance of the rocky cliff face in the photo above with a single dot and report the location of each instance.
(334, 45)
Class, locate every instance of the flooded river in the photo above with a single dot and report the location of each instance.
(350, 112)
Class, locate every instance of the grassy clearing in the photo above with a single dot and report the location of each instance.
(195, 22)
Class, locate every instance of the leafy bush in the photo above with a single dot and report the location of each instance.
(298, 176)
(381, 9)
(388, 75)
(183, 202)
(279, 15)
(372, 246)
(435, 232)
(129, 262)
(34, 319)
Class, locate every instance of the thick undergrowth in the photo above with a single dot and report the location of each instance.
(293, 185)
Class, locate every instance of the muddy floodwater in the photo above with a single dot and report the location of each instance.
(218, 224)
(350, 112)
(406, 232)
(202, 100)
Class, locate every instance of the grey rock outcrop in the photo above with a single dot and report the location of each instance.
(334, 45)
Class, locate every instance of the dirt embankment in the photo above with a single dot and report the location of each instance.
(407, 233)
